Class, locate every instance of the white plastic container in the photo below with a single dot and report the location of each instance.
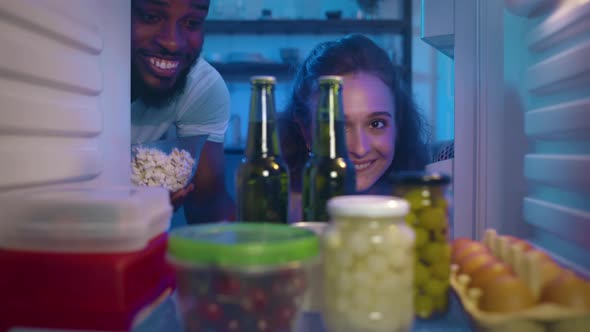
(119, 219)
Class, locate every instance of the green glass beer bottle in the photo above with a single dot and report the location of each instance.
(262, 179)
(329, 171)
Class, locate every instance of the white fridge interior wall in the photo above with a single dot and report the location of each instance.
(522, 118)
(64, 93)
(554, 106)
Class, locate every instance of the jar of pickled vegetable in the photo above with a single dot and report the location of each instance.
(428, 216)
(368, 265)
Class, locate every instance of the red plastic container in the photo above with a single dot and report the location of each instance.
(83, 259)
(81, 291)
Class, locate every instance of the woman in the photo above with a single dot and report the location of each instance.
(384, 131)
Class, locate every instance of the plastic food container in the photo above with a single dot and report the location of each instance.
(242, 276)
(88, 259)
(427, 195)
(368, 265)
(315, 299)
(119, 219)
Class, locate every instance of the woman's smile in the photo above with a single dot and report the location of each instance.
(370, 126)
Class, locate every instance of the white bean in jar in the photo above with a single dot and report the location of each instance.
(368, 266)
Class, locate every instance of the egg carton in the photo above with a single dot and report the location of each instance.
(531, 266)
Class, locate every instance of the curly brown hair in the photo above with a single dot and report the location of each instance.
(348, 55)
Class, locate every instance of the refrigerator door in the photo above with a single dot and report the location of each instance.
(64, 91)
(522, 145)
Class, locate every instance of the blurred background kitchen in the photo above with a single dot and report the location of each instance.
(271, 37)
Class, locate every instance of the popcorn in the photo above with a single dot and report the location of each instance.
(152, 167)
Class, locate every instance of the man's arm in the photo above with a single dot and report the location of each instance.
(206, 111)
(209, 201)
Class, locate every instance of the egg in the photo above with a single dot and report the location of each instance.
(460, 242)
(475, 260)
(506, 294)
(488, 272)
(549, 271)
(467, 249)
(569, 290)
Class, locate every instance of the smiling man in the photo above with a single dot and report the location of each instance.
(177, 94)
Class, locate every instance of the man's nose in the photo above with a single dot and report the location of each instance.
(170, 38)
(357, 142)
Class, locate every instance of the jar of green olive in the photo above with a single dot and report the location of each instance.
(427, 194)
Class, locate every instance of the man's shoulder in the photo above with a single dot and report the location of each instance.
(205, 96)
(203, 71)
(204, 82)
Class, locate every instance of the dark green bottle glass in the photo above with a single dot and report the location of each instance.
(329, 171)
(262, 179)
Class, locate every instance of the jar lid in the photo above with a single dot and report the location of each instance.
(367, 206)
(242, 244)
(420, 178)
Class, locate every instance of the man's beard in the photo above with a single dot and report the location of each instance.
(154, 97)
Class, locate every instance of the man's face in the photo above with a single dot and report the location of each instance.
(166, 39)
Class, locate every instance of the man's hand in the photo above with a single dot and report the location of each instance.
(177, 198)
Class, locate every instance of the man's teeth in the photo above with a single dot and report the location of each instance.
(359, 167)
(163, 64)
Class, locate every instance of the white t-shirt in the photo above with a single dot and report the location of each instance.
(202, 109)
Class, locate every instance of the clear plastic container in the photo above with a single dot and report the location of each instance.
(82, 258)
(100, 220)
(314, 303)
(242, 276)
(368, 255)
(429, 206)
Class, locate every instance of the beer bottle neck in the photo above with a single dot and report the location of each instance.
(329, 136)
(262, 135)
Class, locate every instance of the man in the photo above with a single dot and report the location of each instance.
(174, 90)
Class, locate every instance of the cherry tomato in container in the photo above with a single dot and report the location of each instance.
(242, 276)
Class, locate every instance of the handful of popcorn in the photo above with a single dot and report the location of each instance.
(152, 167)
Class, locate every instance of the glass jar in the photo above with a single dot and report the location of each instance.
(368, 265)
(428, 216)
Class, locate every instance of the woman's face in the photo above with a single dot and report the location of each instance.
(370, 126)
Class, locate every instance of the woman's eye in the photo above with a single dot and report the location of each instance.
(377, 124)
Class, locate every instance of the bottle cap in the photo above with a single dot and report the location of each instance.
(263, 79)
(330, 79)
